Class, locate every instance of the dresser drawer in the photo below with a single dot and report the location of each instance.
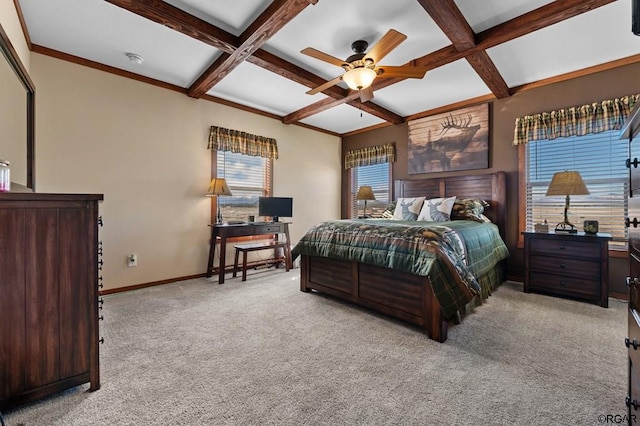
(562, 247)
(565, 266)
(634, 282)
(634, 387)
(634, 333)
(567, 286)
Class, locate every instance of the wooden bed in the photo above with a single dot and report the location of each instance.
(396, 293)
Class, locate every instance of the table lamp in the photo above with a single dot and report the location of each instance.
(567, 183)
(365, 193)
(217, 188)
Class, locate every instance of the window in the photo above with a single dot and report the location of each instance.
(600, 159)
(248, 178)
(376, 176)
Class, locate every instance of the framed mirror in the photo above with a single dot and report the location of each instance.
(17, 116)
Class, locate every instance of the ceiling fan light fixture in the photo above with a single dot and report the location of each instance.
(359, 78)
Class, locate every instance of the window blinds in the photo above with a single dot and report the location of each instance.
(376, 176)
(600, 159)
(248, 178)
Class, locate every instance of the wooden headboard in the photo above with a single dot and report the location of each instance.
(489, 187)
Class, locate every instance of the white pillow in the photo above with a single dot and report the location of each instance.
(408, 208)
(437, 209)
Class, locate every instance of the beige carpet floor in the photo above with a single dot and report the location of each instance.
(261, 352)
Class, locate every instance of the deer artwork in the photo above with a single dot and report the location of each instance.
(436, 214)
(444, 148)
(406, 213)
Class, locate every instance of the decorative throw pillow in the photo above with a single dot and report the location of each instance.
(437, 209)
(470, 209)
(388, 212)
(408, 208)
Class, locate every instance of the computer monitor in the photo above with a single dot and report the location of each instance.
(275, 207)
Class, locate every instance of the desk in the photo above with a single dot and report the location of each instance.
(224, 231)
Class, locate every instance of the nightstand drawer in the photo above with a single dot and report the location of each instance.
(565, 266)
(568, 286)
(561, 247)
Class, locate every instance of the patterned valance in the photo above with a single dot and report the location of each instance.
(574, 121)
(370, 155)
(222, 139)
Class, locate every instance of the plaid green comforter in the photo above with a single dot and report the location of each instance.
(451, 254)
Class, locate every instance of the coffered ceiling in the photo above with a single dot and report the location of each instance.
(247, 52)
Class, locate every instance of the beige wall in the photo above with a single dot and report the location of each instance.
(13, 118)
(13, 99)
(11, 25)
(144, 148)
(503, 155)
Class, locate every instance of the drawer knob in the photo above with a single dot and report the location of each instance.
(562, 284)
(630, 403)
(563, 266)
(633, 343)
(562, 247)
(628, 222)
(635, 163)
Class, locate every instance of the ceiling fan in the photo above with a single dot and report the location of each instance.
(361, 68)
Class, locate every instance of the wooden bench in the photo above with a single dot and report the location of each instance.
(255, 246)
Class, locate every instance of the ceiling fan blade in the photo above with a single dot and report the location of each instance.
(386, 44)
(384, 71)
(366, 94)
(314, 53)
(325, 86)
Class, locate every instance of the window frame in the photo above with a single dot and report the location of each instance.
(352, 203)
(522, 204)
(268, 191)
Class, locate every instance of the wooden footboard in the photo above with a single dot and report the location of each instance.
(395, 293)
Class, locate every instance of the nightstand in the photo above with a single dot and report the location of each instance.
(568, 265)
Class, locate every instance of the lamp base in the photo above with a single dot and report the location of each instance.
(219, 214)
(566, 228)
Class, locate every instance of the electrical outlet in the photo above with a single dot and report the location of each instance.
(132, 260)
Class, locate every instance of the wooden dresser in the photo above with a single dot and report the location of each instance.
(569, 265)
(631, 132)
(48, 294)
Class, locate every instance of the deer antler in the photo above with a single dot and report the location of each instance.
(452, 122)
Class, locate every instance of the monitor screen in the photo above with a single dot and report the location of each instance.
(275, 207)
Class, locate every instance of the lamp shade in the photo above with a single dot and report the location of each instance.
(218, 186)
(359, 78)
(567, 183)
(365, 193)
